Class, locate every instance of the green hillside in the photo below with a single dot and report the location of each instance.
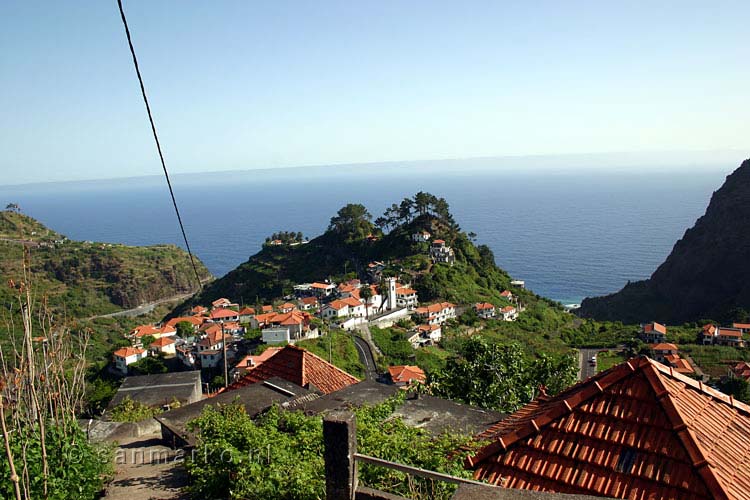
(353, 240)
(83, 279)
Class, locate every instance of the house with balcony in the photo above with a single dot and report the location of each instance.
(653, 333)
(435, 314)
(508, 313)
(485, 310)
(127, 356)
(442, 253)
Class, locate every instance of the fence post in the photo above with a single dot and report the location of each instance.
(340, 440)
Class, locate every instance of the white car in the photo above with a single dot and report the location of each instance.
(593, 360)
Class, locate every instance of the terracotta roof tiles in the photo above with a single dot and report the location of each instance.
(638, 430)
(301, 367)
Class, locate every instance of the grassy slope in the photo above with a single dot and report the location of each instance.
(339, 348)
(80, 280)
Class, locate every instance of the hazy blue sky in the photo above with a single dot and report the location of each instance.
(250, 84)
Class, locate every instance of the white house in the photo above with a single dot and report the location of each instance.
(127, 356)
(163, 345)
(342, 308)
(224, 314)
(421, 237)
(654, 333)
(307, 303)
(509, 313)
(426, 335)
(436, 314)
(440, 252)
(406, 297)
(485, 310)
(322, 289)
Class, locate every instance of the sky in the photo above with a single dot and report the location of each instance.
(240, 85)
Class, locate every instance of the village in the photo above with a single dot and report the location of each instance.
(214, 337)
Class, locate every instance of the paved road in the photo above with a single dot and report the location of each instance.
(586, 369)
(365, 356)
(145, 308)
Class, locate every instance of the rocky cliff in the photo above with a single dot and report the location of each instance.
(84, 279)
(707, 275)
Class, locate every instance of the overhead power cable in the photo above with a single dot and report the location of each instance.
(156, 139)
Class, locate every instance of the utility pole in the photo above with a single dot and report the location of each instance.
(224, 349)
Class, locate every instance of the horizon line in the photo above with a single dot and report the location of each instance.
(624, 154)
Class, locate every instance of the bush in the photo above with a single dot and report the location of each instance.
(133, 411)
(280, 455)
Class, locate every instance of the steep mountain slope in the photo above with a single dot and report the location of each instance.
(707, 275)
(82, 279)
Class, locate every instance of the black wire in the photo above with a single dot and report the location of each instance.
(156, 138)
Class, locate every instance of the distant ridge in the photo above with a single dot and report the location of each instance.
(707, 275)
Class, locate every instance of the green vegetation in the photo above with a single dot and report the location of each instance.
(280, 455)
(715, 360)
(148, 366)
(501, 377)
(338, 348)
(607, 359)
(132, 411)
(79, 280)
(285, 237)
(739, 388)
(75, 467)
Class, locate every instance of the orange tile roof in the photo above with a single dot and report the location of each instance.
(639, 430)
(321, 286)
(309, 300)
(143, 330)
(198, 310)
(162, 342)
(729, 332)
(508, 309)
(742, 326)
(657, 327)
(287, 305)
(126, 352)
(193, 320)
(266, 309)
(439, 242)
(251, 361)
(483, 305)
(428, 328)
(433, 308)
(405, 291)
(709, 329)
(247, 311)
(213, 337)
(220, 301)
(663, 347)
(351, 302)
(301, 367)
(506, 293)
(406, 374)
(223, 313)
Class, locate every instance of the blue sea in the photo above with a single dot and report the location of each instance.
(568, 233)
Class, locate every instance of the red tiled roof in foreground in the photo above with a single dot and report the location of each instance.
(638, 430)
(301, 367)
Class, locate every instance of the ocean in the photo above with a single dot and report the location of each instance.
(569, 234)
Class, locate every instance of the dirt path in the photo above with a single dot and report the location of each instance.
(147, 470)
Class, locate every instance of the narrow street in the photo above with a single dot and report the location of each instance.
(585, 368)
